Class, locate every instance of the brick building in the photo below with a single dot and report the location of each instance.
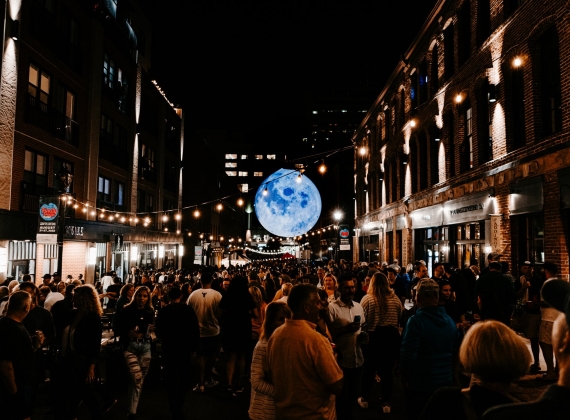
(465, 150)
(76, 95)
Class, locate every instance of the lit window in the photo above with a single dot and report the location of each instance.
(242, 173)
(243, 157)
(231, 165)
(271, 157)
(243, 188)
(259, 157)
(344, 110)
(258, 174)
(315, 112)
(231, 173)
(231, 156)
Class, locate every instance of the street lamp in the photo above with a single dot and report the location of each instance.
(65, 179)
(337, 215)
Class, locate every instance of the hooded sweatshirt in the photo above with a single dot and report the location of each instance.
(428, 344)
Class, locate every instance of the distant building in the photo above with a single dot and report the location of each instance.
(465, 150)
(77, 95)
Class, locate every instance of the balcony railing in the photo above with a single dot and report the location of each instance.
(30, 198)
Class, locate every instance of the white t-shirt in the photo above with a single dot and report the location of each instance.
(106, 282)
(51, 298)
(205, 303)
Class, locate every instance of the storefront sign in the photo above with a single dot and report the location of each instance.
(46, 238)
(496, 233)
(74, 230)
(344, 244)
(405, 239)
(426, 217)
(197, 252)
(48, 214)
(476, 207)
(343, 232)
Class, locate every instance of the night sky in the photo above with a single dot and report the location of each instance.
(243, 66)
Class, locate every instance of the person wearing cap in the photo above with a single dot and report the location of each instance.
(46, 279)
(429, 342)
(527, 289)
(548, 316)
(493, 256)
(555, 401)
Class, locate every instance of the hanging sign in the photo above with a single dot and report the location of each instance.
(48, 214)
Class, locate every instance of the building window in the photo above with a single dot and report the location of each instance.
(119, 193)
(66, 126)
(231, 156)
(39, 87)
(515, 96)
(448, 52)
(243, 188)
(104, 189)
(231, 173)
(259, 157)
(464, 34)
(449, 122)
(483, 21)
(258, 174)
(414, 90)
(271, 157)
(243, 157)
(231, 164)
(35, 168)
(58, 164)
(485, 139)
(423, 76)
(109, 70)
(550, 99)
(242, 173)
(147, 163)
(434, 71)
(145, 202)
(467, 145)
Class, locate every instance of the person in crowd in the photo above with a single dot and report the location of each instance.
(4, 295)
(321, 277)
(16, 351)
(285, 289)
(253, 280)
(238, 308)
(61, 311)
(324, 324)
(527, 289)
(491, 377)
(133, 324)
(452, 308)
(555, 402)
(330, 284)
(269, 287)
(206, 302)
(39, 319)
(113, 292)
(43, 292)
(125, 296)
(459, 286)
(79, 353)
(492, 256)
(106, 281)
(438, 271)
(256, 323)
(158, 298)
(426, 354)
(185, 290)
(548, 316)
(53, 297)
(347, 317)
(178, 328)
(262, 405)
(359, 292)
(225, 285)
(382, 310)
(402, 284)
(309, 390)
(496, 294)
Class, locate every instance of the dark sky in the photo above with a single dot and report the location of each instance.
(244, 65)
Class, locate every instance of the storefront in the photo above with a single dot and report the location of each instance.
(455, 231)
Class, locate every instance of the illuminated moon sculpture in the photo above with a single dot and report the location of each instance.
(289, 208)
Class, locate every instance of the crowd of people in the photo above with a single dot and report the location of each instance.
(310, 342)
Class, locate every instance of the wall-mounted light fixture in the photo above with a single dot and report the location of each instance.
(492, 93)
(437, 134)
(15, 31)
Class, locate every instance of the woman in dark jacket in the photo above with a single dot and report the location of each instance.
(133, 325)
(80, 347)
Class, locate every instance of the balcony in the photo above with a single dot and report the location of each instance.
(51, 120)
(30, 198)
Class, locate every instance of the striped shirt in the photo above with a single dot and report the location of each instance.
(371, 308)
(262, 405)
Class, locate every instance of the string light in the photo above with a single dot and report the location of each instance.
(219, 207)
(240, 202)
(322, 168)
(265, 192)
(165, 218)
(299, 178)
(178, 216)
(517, 62)
(196, 213)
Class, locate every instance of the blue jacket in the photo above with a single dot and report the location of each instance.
(430, 339)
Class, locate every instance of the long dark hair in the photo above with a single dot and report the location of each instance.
(133, 302)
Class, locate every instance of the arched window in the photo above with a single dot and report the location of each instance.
(550, 99)
(423, 160)
(449, 126)
(514, 102)
(423, 82)
(434, 85)
(483, 21)
(485, 119)
(448, 52)
(466, 151)
(464, 34)
(433, 158)
(414, 164)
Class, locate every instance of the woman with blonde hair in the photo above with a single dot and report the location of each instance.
(80, 348)
(491, 376)
(256, 323)
(382, 311)
(331, 286)
(262, 405)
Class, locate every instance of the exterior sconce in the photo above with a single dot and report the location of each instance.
(492, 93)
(14, 32)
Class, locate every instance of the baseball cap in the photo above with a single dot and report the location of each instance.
(364, 264)
(384, 264)
(55, 273)
(526, 264)
(428, 288)
(557, 294)
(46, 276)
